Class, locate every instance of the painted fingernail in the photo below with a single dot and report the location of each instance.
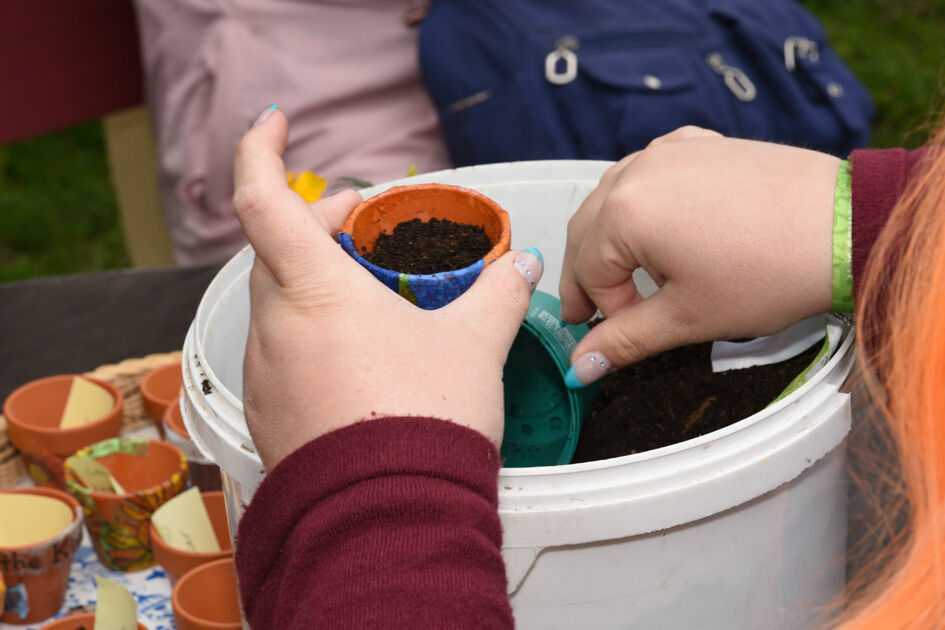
(264, 114)
(530, 263)
(587, 369)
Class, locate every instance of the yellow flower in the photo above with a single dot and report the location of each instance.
(309, 185)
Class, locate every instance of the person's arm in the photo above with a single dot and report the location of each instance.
(365, 520)
(390, 523)
(878, 179)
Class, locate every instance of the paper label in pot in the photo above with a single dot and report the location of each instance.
(115, 607)
(26, 519)
(86, 402)
(95, 476)
(183, 522)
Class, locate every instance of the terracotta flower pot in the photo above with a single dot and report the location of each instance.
(383, 212)
(203, 473)
(151, 472)
(206, 598)
(159, 388)
(34, 411)
(177, 562)
(78, 621)
(37, 575)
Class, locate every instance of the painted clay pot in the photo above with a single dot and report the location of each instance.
(151, 472)
(383, 212)
(177, 562)
(159, 388)
(206, 598)
(37, 575)
(34, 411)
(203, 472)
(79, 621)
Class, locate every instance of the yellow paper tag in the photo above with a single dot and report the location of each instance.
(95, 476)
(116, 608)
(26, 519)
(86, 402)
(183, 522)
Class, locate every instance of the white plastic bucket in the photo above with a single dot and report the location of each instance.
(741, 528)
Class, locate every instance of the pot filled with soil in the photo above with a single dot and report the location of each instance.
(427, 242)
(724, 522)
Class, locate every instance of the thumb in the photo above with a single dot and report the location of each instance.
(502, 292)
(630, 335)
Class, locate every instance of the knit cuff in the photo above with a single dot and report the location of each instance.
(842, 294)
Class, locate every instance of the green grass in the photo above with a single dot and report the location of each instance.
(58, 213)
(897, 49)
(57, 209)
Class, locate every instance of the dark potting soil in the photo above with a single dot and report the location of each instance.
(675, 396)
(421, 248)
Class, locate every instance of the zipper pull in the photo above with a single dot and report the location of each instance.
(795, 47)
(564, 51)
(736, 81)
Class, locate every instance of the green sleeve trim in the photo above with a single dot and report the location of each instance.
(842, 298)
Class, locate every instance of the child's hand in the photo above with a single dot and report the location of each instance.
(329, 345)
(736, 233)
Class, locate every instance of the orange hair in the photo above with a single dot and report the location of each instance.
(901, 322)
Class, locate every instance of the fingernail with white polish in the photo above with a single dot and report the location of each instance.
(530, 263)
(264, 114)
(588, 368)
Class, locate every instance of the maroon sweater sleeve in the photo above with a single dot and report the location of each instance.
(389, 523)
(879, 178)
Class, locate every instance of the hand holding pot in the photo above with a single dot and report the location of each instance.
(737, 234)
(329, 345)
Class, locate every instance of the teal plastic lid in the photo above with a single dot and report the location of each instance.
(542, 416)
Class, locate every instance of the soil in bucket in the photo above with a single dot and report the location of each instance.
(675, 396)
(418, 247)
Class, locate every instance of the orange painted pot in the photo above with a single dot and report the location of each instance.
(159, 388)
(203, 473)
(177, 562)
(207, 598)
(3, 594)
(34, 411)
(79, 621)
(151, 472)
(37, 575)
(382, 213)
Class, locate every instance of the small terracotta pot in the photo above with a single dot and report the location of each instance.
(151, 472)
(159, 388)
(383, 212)
(34, 411)
(207, 598)
(203, 473)
(78, 621)
(37, 575)
(177, 562)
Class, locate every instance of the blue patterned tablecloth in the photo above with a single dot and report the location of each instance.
(151, 589)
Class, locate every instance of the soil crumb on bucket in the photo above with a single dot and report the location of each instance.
(675, 396)
(422, 248)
